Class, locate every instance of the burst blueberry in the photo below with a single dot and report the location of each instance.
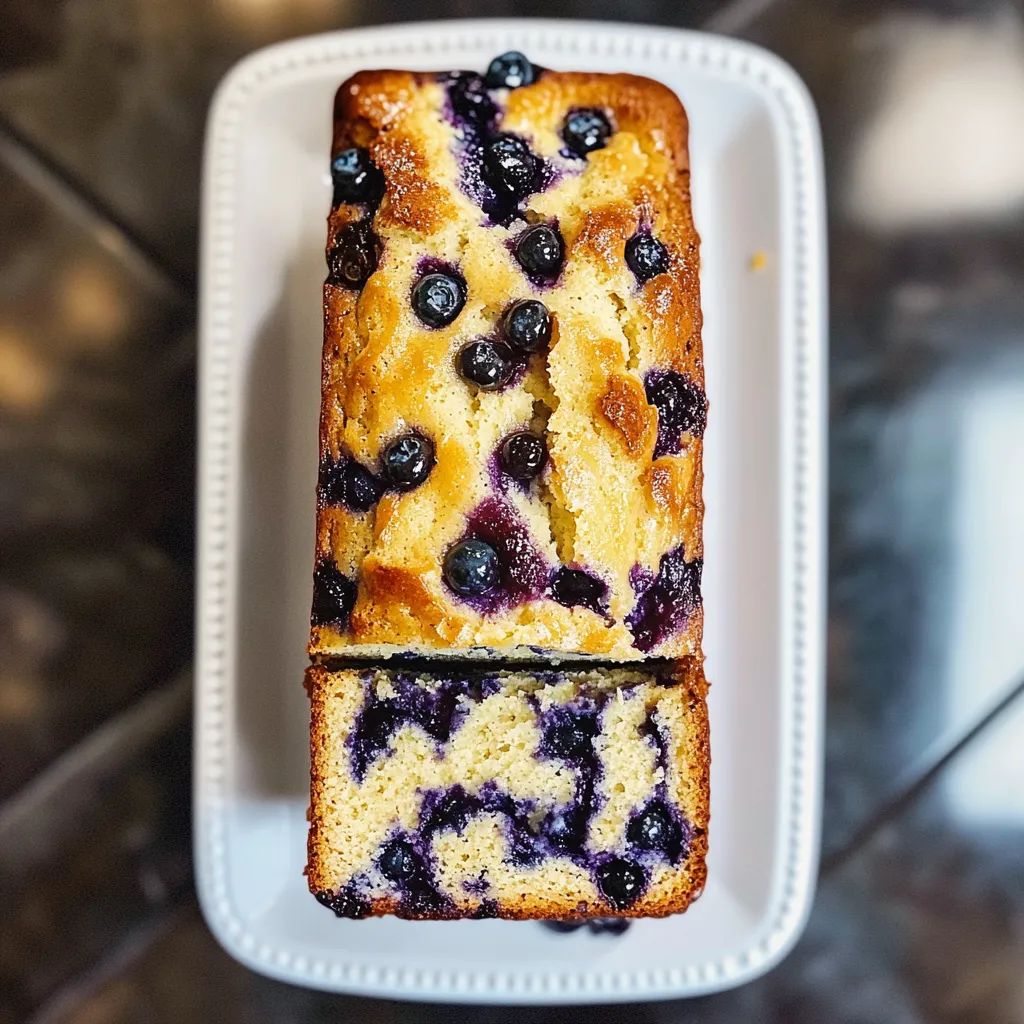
(510, 71)
(408, 461)
(570, 735)
(621, 882)
(523, 455)
(654, 828)
(586, 130)
(438, 298)
(398, 861)
(355, 177)
(565, 828)
(471, 568)
(646, 256)
(510, 165)
(577, 588)
(349, 483)
(526, 325)
(681, 405)
(487, 364)
(334, 595)
(540, 251)
(353, 258)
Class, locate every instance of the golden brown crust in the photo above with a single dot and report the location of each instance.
(335, 803)
(604, 503)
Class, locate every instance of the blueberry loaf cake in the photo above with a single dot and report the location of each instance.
(512, 383)
(516, 794)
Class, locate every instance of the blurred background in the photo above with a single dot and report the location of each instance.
(920, 909)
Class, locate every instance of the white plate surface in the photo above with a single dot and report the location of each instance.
(758, 199)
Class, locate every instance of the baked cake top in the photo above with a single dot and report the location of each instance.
(513, 390)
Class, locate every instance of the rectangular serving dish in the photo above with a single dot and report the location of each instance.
(759, 206)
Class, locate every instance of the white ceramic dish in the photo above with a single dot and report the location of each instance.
(758, 196)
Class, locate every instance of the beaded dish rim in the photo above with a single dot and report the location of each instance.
(803, 419)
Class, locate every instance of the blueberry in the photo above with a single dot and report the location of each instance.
(570, 736)
(398, 861)
(575, 587)
(469, 98)
(345, 903)
(646, 257)
(471, 568)
(586, 130)
(334, 595)
(353, 258)
(621, 881)
(654, 828)
(540, 251)
(509, 71)
(526, 325)
(356, 179)
(438, 299)
(350, 483)
(566, 828)
(487, 364)
(510, 164)
(681, 405)
(523, 455)
(408, 461)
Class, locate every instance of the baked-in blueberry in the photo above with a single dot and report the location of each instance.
(510, 164)
(646, 256)
(398, 861)
(621, 881)
(471, 102)
(353, 258)
(586, 130)
(334, 595)
(350, 483)
(471, 568)
(346, 903)
(509, 71)
(540, 251)
(565, 827)
(438, 298)
(356, 179)
(487, 364)
(523, 455)
(570, 735)
(408, 461)
(654, 828)
(682, 408)
(526, 325)
(576, 587)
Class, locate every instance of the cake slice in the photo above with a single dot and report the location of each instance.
(514, 794)
(512, 386)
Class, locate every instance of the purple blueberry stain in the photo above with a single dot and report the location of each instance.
(665, 600)
(433, 711)
(682, 409)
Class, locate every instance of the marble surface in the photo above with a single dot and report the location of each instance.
(920, 914)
